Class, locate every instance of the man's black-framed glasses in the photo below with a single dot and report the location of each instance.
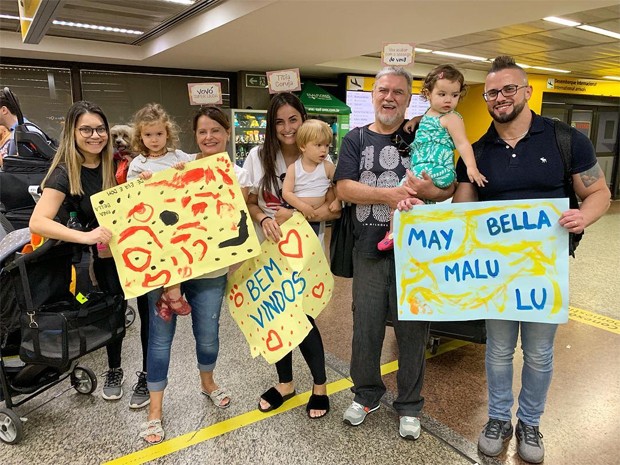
(401, 145)
(507, 91)
(87, 131)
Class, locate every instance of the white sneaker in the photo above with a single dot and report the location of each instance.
(356, 413)
(410, 428)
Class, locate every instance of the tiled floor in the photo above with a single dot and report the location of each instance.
(580, 425)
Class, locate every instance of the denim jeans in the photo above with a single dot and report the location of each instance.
(537, 344)
(205, 297)
(374, 295)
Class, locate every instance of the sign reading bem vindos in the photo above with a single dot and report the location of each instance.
(485, 260)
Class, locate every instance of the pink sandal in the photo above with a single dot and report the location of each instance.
(387, 243)
(179, 306)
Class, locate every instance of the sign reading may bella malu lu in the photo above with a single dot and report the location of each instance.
(485, 260)
(177, 225)
(270, 295)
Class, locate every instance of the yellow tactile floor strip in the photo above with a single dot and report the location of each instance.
(594, 319)
(195, 437)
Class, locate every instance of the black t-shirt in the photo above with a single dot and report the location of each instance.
(92, 183)
(533, 169)
(377, 160)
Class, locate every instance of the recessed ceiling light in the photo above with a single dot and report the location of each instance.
(554, 70)
(615, 78)
(422, 50)
(13, 17)
(598, 30)
(460, 55)
(97, 27)
(181, 2)
(564, 22)
(523, 66)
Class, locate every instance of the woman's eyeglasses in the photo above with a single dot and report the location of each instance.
(506, 91)
(87, 131)
(401, 145)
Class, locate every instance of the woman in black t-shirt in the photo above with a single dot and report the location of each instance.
(83, 166)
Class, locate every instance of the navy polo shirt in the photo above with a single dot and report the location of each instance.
(533, 169)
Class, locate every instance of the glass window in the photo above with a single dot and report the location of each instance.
(120, 95)
(44, 94)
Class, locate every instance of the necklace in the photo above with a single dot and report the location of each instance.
(517, 137)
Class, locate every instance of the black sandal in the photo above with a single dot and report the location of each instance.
(274, 398)
(318, 402)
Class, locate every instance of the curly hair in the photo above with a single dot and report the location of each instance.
(153, 113)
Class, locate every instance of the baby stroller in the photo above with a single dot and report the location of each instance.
(44, 330)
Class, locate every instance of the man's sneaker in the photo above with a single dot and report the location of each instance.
(409, 428)
(494, 435)
(529, 443)
(140, 397)
(113, 385)
(356, 413)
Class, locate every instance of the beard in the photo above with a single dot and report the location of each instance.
(507, 117)
(390, 120)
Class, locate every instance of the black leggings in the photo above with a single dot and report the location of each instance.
(107, 280)
(143, 311)
(314, 354)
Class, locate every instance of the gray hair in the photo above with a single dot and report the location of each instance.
(396, 71)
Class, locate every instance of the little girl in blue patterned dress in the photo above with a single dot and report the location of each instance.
(441, 131)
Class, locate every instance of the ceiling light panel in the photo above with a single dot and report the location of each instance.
(460, 55)
(598, 30)
(562, 21)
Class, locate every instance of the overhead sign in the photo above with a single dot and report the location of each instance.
(503, 260)
(256, 80)
(397, 54)
(206, 93)
(35, 18)
(286, 80)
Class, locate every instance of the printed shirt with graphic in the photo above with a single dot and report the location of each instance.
(377, 164)
(533, 169)
(432, 151)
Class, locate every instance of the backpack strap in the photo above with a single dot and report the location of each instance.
(563, 137)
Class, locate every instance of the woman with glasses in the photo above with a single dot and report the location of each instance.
(83, 166)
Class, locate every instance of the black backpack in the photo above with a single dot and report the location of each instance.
(563, 138)
(28, 167)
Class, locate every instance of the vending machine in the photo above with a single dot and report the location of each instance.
(248, 131)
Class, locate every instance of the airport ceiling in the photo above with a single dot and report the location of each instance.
(322, 38)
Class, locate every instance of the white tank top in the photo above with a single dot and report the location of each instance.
(314, 184)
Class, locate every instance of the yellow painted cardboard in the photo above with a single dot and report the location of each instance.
(270, 294)
(178, 225)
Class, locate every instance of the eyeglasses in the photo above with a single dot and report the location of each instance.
(87, 131)
(400, 144)
(507, 91)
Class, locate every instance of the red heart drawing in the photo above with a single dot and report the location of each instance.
(290, 252)
(317, 291)
(270, 341)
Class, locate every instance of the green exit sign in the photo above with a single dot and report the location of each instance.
(256, 80)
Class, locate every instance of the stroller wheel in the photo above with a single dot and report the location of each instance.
(83, 380)
(130, 316)
(11, 427)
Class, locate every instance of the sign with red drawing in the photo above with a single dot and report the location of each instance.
(177, 225)
(270, 294)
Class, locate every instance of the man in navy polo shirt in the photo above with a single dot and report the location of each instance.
(521, 160)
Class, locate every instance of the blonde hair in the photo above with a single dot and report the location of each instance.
(153, 113)
(69, 157)
(314, 130)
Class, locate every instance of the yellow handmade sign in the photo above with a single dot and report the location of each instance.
(486, 260)
(177, 225)
(270, 295)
